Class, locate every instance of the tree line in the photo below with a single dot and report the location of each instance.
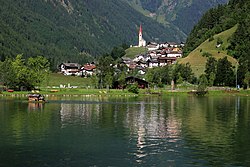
(24, 74)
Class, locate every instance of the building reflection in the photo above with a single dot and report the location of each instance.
(151, 125)
(78, 113)
(35, 106)
(154, 124)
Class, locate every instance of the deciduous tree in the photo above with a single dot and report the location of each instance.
(210, 70)
(224, 74)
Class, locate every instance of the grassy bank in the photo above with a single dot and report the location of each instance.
(85, 86)
(117, 92)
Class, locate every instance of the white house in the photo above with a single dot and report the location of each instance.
(177, 54)
(88, 69)
(153, 46)
(69, 68)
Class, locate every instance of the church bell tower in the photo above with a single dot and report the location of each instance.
(142, 42)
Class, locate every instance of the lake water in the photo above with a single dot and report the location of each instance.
(135, 131)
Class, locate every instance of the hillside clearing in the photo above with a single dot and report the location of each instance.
(198, 61)
(133, 51)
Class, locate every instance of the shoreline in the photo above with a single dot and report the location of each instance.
(125, 93)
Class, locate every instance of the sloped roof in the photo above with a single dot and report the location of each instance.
(71, 64)
(89, 67)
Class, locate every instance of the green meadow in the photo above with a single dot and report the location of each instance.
(198, 61)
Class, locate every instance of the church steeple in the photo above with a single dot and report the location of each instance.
(140, 31)
(142, 42)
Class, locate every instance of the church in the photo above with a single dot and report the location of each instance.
(142, 42)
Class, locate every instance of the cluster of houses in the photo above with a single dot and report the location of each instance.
(157, 55)
(77, 69)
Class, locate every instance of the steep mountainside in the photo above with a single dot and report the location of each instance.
(184, 14)
(222, 31)
(197, 58)
(69, 30)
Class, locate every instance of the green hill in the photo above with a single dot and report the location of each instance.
(197, 58)
(133, 51)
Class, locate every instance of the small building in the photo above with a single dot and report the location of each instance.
(176, 54)
(153, 46)
(132, 80)
(172, 44)
(88, 69)
(152, 63)
(163, 61)
(69, 68)
(141, 83)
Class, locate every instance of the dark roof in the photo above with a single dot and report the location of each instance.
(71, 64)
(129, 78)
(167, 58)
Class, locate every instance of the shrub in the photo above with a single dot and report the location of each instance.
(211, 39)
(206, 54)
(133, 88)
(219, 41)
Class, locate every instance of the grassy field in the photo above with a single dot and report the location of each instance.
(133, 51)
(198, 61)
(57, 79)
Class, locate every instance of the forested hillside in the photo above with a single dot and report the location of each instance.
(72, 30)
(184, 14)
(224, 17)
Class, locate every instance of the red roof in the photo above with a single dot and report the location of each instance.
(89, 67)
(140, 31)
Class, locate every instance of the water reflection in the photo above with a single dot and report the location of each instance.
(158, 126)
(152, 124)
(78, 113)
(35, 106)
(147, 131)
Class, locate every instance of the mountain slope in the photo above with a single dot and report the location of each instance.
(197, 58)
(184, 14)
(70, 30)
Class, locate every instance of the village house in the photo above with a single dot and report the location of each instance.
(153, 63)
(69, 68)
(132, 80)
(163, 61)
(88, 69)
(153, 46)
(141, 83)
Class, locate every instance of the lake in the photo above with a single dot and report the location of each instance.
(131, 131)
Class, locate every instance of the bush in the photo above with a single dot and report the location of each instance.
(133, 88)
(211, 39)
(219, 41)
(206, 54)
